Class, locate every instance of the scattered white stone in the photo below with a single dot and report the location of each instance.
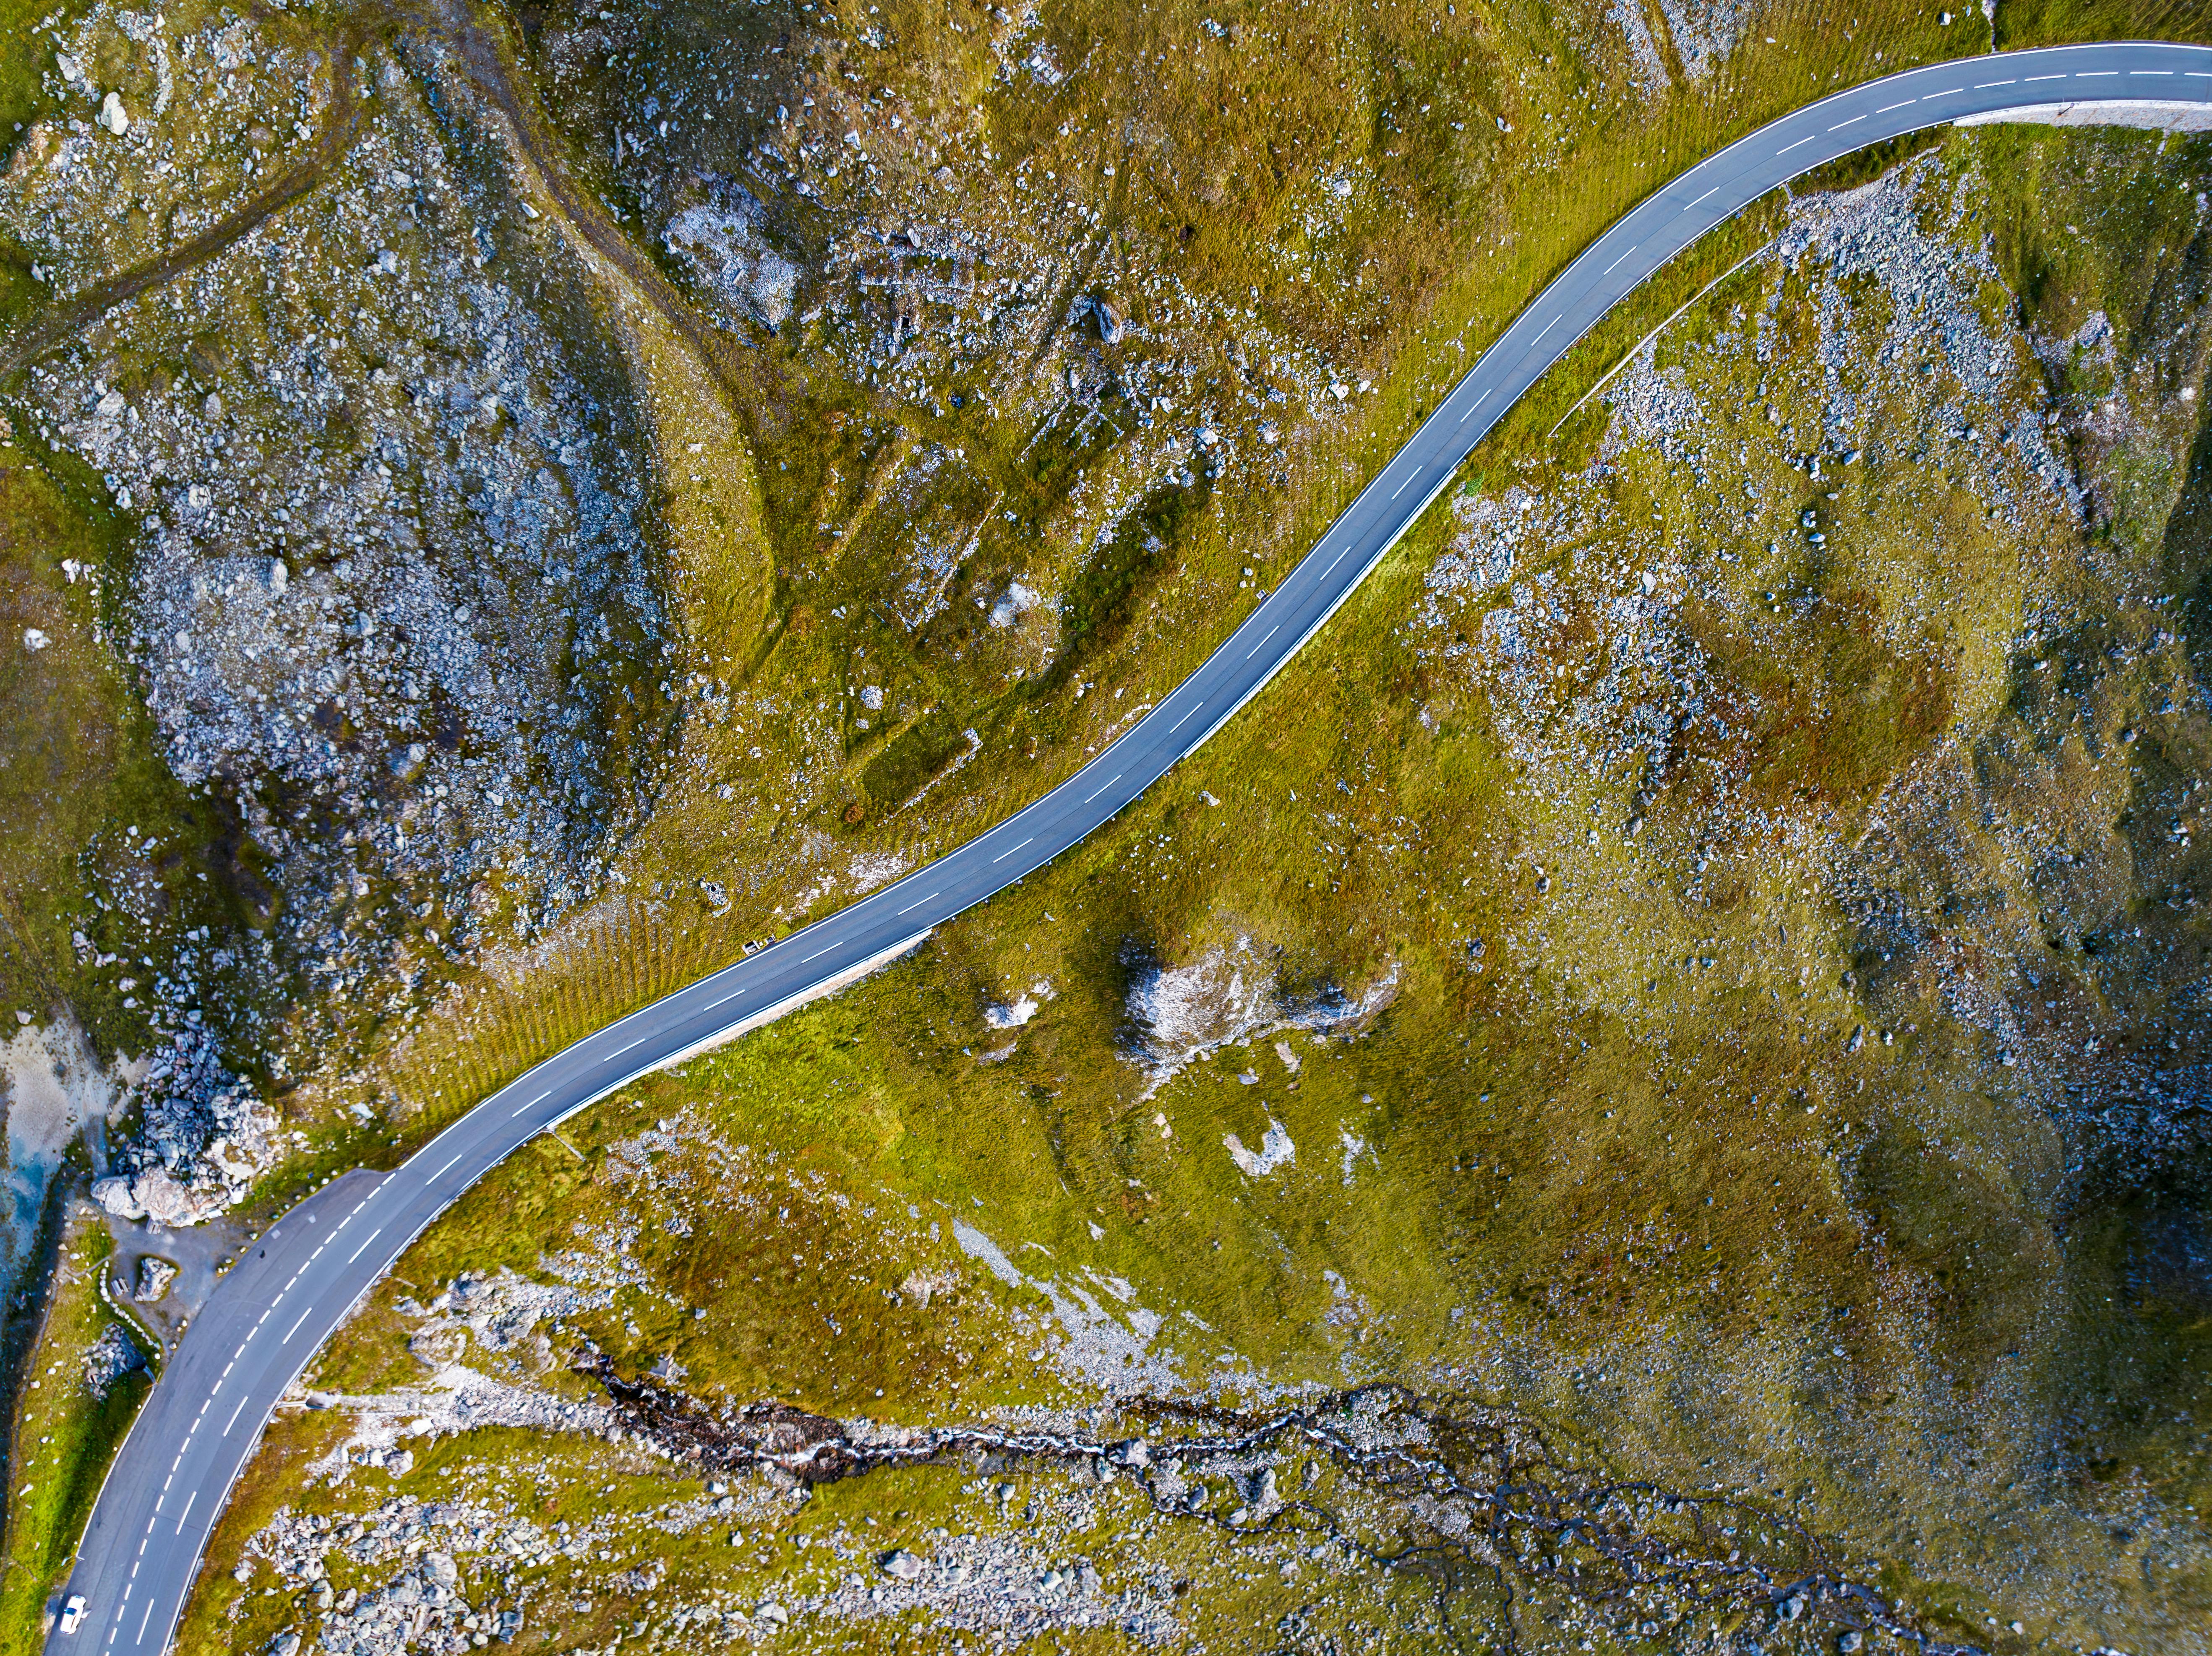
(1012, 604)
(33, 640)
(1275, 1151)
(1014, 1014)
(113, 115)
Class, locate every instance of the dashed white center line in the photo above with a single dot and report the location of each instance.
(1192, 711)
(1187, 713)
(818, 954)
(1786, 149)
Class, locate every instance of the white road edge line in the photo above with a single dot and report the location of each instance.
(1931, 97)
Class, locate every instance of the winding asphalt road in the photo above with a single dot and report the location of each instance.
(142, 1551)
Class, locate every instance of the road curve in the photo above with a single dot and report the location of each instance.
(151, 1525)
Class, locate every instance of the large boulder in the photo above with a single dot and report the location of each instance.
(156, 1196)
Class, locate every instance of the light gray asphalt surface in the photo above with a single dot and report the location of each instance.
(142, 1549)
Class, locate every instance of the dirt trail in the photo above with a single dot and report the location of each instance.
(81, 310)
(488, 57)
(490, 68)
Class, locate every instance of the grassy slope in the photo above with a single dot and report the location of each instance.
(1659, 1201)
(64, 1438)
(1234, 133)
(1361, 691)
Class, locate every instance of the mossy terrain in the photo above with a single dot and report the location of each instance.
(77, 1402)
(1695, 979)
(1706, 962)
(79, 768)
